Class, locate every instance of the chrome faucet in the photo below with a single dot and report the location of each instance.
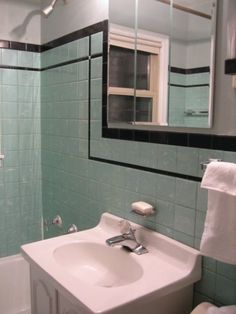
(127, 239)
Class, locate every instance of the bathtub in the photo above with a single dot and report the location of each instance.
(14, 285)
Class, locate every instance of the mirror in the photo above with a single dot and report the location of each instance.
(161, 63)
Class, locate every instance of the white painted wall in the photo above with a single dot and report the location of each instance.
(178, 54)
(71, 16)
(155, 16)
(20, 21)
(225, 95)
(198, 54)
(191, 55)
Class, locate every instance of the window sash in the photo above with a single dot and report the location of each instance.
(146, 43)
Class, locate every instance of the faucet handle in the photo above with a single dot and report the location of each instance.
(125, 227)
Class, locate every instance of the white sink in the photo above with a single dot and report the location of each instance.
(111, 280)
(97, 264)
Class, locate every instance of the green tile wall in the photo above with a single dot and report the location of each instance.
(64, 112)
(80, 189)
(20, 172)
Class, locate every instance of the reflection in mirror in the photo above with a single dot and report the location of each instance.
(122, 71)
(161, 60)
(191, 63)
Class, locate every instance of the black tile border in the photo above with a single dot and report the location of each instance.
(11, 67)
(65, 63)
(141, 168)
(192, 140)
(230, 66)
(190, 71)
(15, 45)
(188, 86)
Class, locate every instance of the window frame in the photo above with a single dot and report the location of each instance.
(157, 45)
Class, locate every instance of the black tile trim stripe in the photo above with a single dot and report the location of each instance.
(141, 168)
(89, 99)
(10, 67)
(72, 61)
(65, 63)
(14, 45)
(187, 86)
(190, 71)
(230, 66)
(197, 140)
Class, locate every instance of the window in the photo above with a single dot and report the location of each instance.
(137, 100)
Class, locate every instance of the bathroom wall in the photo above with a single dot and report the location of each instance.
(71, 16)
(80, 189)
(76, 187)
(20, 171)
(64, 112)
(20, 21)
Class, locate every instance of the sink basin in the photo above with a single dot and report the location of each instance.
(97, 264)
(111, 280)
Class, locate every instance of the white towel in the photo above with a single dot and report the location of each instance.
(222, 310)
(219, 236)
(204, 308)
(208, 308)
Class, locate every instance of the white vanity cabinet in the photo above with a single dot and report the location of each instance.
(65, 306)
(46, 299)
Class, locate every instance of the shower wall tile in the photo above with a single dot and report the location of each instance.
(9, 57)
(183, 238)
(20, 173)
(97, 43)
(226, 270)
(96, 68)
(26, 59)
(9, 77)
(225, 290)
(186, 193)
(71, 51)
(187, 160)
(184, 220)
(65, 135)
(83, 47)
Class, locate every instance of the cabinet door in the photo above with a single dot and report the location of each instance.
(43, 295)
(66, 307)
